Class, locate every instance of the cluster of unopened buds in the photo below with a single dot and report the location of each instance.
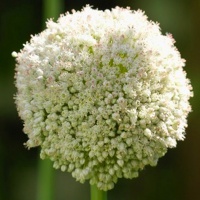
(103, 93)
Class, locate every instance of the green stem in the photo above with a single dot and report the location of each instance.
(97, 194)
(51, 8)
(45, 180)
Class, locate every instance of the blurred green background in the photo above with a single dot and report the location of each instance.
(177, 176)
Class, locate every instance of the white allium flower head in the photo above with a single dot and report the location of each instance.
(103, 93)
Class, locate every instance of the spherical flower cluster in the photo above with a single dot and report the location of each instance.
(103, 93)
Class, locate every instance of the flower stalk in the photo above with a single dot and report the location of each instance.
(97, 194)
(51, 8)
(45, 180)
